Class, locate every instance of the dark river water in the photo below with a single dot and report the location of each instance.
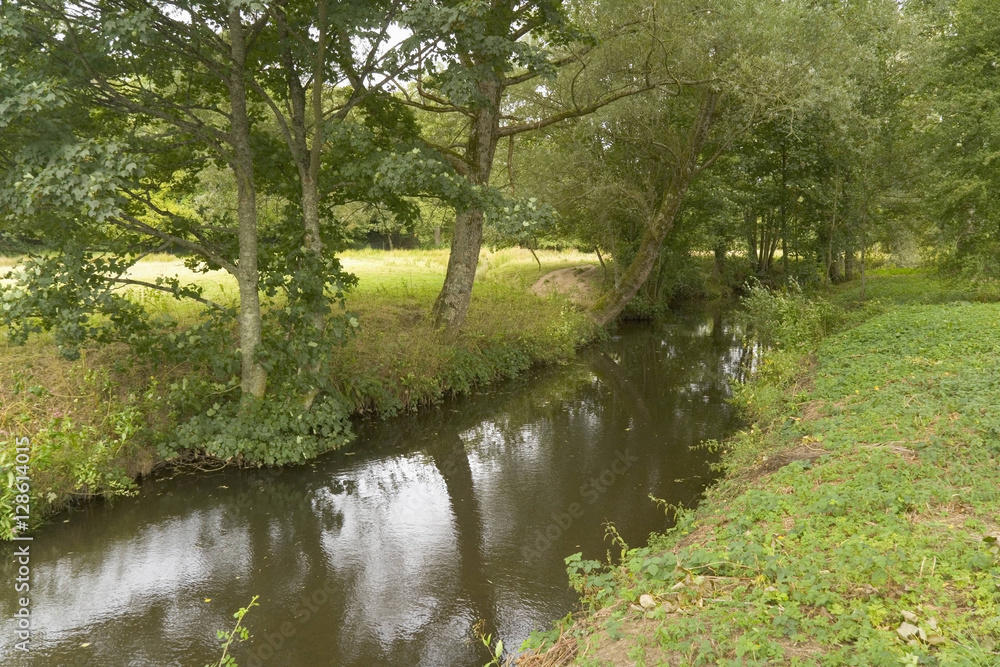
(390, 552)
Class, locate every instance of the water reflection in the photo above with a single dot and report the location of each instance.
(391, 555)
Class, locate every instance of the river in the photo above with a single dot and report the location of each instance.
(391, 551)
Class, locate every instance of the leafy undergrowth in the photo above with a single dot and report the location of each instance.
(84, 423)
(96, 423)
(858, 523)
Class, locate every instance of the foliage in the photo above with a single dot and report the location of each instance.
(959, 130)
(65, 297)
(518, 224)
(259, 432)
(786, 318)
(238, 633)
(495, 650)
(73, 455)
(63, 293)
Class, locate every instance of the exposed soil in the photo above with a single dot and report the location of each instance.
(579, 284)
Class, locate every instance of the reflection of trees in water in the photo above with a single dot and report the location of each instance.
(495, 421)
(426, 513)
(527, 441)
(134, 574)
(452, 461)
(611, 372)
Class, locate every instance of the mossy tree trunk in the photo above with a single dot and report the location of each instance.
(253, 381)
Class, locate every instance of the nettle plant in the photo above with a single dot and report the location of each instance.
(786, 318)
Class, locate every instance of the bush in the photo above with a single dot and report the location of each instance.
(737, 273)
(264, 432)
(785, 318)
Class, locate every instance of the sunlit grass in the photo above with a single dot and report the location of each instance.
(894, 286)
(381, 275)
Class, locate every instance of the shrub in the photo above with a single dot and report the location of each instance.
(785, 318)
(265, 432)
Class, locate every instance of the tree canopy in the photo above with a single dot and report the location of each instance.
(789, 139)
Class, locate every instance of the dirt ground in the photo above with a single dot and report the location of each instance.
(579, 284)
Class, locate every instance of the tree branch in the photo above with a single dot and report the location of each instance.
(509, 130)
(457, 162)
(131, 222)
(163, 288)
(531, 74)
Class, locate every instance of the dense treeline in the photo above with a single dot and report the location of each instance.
(783, 139)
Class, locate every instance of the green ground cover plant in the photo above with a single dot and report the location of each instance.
(859, 518)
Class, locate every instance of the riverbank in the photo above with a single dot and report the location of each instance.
(392, 549)
(93, 424)
(859, 517)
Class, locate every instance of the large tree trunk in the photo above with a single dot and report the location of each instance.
(452, 303)
(253, 379)
(612, 303)
(828, 276)
(840, 267)
(849, 263)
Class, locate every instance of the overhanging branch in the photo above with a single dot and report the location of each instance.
(577, 112)
(164, 288)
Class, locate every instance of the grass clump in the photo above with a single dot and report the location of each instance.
(85, 421)
(859, 520)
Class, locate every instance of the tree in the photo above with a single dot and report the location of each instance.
(960, 125)
(316, 86)
(145, 98)
(182, 83)
(495, 72)
(192, 85)
(728, 70)
(764, 97)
